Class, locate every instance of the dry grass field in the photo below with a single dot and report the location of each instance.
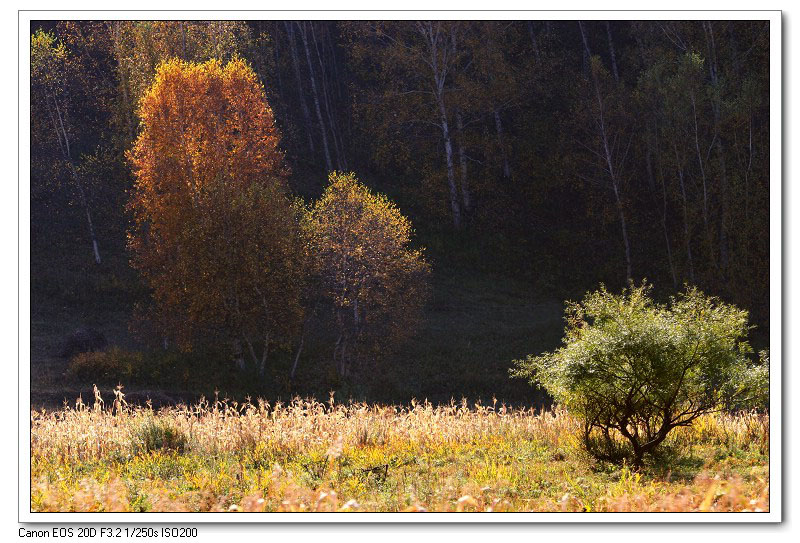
(311, 456)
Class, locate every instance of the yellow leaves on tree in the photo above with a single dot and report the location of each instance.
(376, 283)
(215, 234)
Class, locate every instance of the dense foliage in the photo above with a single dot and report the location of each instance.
(601, 147)
(214, 233)
(376, 285)
(635, 369)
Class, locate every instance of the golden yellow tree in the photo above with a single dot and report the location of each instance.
(215, 233)
(376, 284)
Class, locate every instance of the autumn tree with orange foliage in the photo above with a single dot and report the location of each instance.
(215, 232)
(375, 283)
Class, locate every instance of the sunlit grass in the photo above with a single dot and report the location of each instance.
(310, 456)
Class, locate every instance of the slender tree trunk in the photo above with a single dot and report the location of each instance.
(669, 249)
(314, 92)
(686, 234)
(717, 107)
(335, 351)
(651, 180)
(615, 182)
(333, 62)
(451, 177)
(116, 29)
(648, 159)
(61, 132)
(749, 167)
(462, 158)
(625, 242)
(238, 354)
(723, 212)
(297, 356)
(327, 101)
(356, 317)
(498, 124)
(264, 354)
(612, 53)
(439, 74)
(276, 53)
(709, 237)
(700, 161)
(587, 52)
(251, 349)
(338, 77)
(301, 94)
(345, 362)
(534, 42)
(664, 228)
(85, 204)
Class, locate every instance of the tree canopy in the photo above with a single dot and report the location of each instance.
(375, 282)
(214, 233)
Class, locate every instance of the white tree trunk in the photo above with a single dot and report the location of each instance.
(451, 176)
(335, 135)
(301, 94)
(686, 234)
(61, 132)
(314, 92)
(462, 158)
(499, 126)
(609, 159)
(238, 354)
(612, 52)
(297, 356)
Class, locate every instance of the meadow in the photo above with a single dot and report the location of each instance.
(311, 456)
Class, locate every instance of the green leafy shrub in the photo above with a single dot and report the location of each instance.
(158, 435)
(113, 364)
(152, 367)
(633, 370)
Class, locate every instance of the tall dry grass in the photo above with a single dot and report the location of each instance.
(311, 456)
(81, 432)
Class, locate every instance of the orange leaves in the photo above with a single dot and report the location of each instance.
(205, 118)
(214, 233)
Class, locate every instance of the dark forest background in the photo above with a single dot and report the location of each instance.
(535, 159)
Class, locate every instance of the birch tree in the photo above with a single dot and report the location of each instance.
(315, 94)
(375, 283)
(609, 141)
(51, 102)
(416, 61)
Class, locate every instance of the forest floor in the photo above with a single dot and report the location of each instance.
(51, 384)
(309, 456)
(474, 326)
